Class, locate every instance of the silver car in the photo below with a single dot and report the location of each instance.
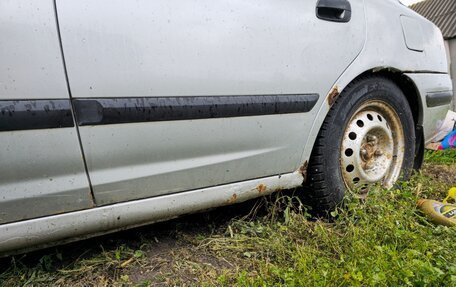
(120, 113)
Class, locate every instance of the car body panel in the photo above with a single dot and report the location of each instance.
(432, 116)
(42, 173)
(31, 62)
(201, 47)
(42, 170)
(128, 170)
(198, 48)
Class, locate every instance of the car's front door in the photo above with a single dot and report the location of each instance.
(173, 95)
(41, 165)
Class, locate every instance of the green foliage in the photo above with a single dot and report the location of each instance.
(441, 156)
(383, 241)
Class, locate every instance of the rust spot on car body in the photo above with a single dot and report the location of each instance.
(333, 95)
(261, 188)
(233, 198)
(303, 170)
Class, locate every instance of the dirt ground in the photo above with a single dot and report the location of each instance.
(441, 172)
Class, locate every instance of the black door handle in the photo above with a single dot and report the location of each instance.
(334, 10)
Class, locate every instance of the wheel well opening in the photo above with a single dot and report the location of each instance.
(408, 88)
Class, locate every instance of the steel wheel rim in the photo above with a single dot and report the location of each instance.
(372, 147)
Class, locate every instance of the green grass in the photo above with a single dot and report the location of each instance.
(441, 157)
(381, 241)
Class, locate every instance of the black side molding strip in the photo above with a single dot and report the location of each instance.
(56, 113)
(35, 114)
(438, 99)
(104, 111)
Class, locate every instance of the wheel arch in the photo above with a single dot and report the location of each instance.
(407, 86)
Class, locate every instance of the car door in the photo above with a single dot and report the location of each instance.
(41, 167)
(174, 95)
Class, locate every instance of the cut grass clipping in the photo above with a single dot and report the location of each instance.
(383, 241)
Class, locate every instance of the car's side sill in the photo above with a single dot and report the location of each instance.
(47, 231)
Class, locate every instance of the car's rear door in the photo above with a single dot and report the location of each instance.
(41, 165)
(173, 95)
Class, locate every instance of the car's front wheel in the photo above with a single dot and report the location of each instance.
(367, 137)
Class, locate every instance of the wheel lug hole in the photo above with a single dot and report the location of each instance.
(348, 152)
(350, 168)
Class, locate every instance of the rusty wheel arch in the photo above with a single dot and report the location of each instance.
(407, 86)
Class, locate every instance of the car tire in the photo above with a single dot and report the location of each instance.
(368, 136)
